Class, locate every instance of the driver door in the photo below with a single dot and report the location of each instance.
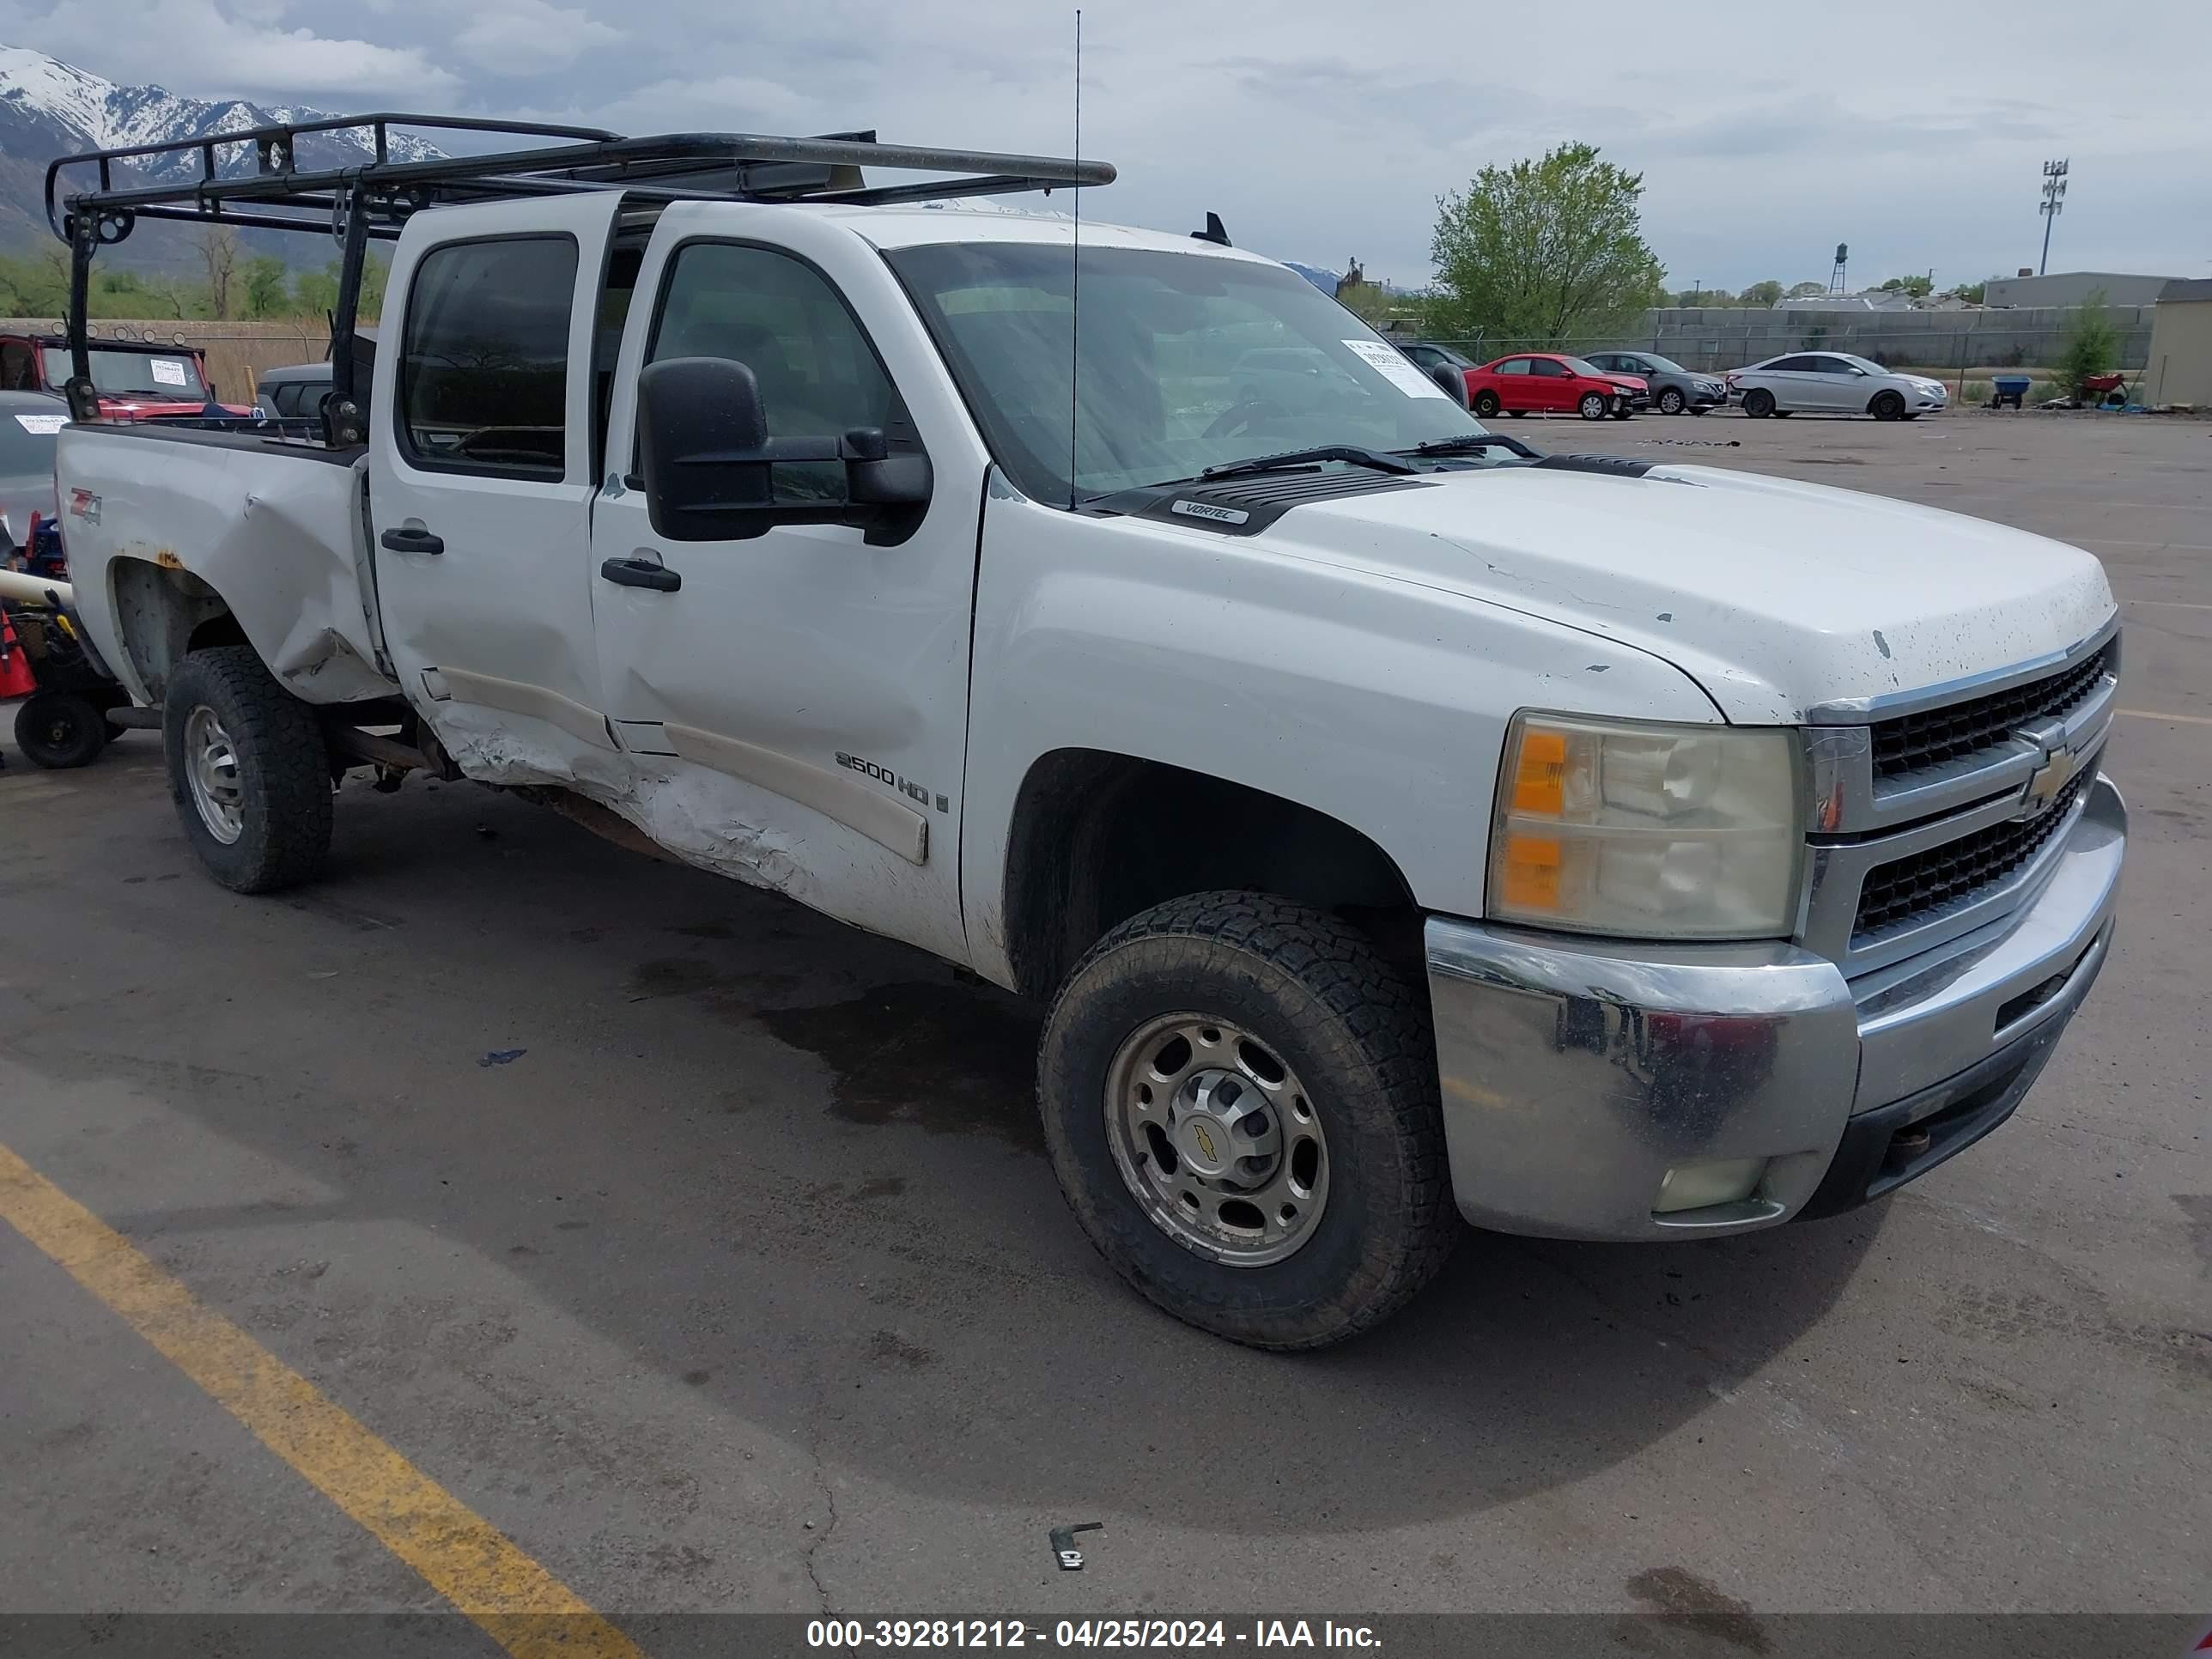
(1551, 386)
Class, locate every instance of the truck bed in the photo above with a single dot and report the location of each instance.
(159, 520)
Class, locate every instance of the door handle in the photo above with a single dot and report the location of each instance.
(642, 572)
(412, 538)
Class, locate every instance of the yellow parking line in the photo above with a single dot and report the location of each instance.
(2153, 714)
(464, 1557)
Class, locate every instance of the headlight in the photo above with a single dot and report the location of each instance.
(1630, 827)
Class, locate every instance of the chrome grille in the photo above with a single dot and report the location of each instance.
(1910, 742)
(1920, 884)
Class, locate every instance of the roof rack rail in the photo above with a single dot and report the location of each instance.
(278, 194)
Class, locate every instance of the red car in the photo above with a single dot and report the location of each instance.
(136, 381)
(1548, 383)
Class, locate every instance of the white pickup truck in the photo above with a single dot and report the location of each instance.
(1401, 827)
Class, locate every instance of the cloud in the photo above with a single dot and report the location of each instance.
(530, 36)
(203, 49)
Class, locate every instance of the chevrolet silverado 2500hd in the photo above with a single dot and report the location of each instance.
(1403, 827)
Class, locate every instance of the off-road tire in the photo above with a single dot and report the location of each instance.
(283, 764)
(1349, 1025)
(59, 730)
(1622, 411)
(1486, 404)
(1758, 402)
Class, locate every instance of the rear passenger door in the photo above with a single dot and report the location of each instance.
(482, 483)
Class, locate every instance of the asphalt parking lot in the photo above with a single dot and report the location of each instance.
(705, 1248)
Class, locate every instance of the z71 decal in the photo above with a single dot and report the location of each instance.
(907, 786)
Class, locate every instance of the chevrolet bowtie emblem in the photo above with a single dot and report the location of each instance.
(2058, 770)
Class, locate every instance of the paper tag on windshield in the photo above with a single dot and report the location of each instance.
(169, 371)
(1391, 366)
(45, 425)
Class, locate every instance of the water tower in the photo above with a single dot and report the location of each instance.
(1836, 277)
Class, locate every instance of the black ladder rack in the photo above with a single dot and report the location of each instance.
(373, 199)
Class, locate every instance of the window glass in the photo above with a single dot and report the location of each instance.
(1546, 367)
(17, 372)
(819, 376)
(483, 372)
(1181, 361)
(1793, 365)
(1514, 366)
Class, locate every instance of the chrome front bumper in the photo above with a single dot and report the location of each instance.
(1576, 1075)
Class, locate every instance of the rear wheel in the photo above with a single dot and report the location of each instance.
(1670, 402)
(1240, 1099)
(1886, 406)
(59, 730)
(1758, 402)
(1592, 406)
(1486, 404)
(248, 770)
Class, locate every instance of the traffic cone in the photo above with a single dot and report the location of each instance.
(15, 679)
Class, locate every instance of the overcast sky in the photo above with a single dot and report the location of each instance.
(1320, 129)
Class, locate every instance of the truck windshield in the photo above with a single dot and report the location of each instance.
(172, 377)
(1182, 361)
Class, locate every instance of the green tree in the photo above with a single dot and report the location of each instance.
(1973, 293)
(1918, 287)
(2092, 344)
(1806, 291)
(267, 282)
(1545, 248)
(1763, 294)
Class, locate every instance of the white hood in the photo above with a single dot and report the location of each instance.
(1772, 595)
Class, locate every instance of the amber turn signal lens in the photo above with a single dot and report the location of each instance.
(1531, 868)
(1540, 778)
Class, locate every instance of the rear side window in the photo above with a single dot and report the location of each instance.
(1793, 365)
(483, 368)
(1514, 366)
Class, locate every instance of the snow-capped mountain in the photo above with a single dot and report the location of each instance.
(50, 108)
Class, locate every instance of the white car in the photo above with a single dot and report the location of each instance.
(1833, 383)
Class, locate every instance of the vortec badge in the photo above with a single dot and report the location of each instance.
(2052, 776)
(1207, 510)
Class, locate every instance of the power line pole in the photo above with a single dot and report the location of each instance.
(2054, 204)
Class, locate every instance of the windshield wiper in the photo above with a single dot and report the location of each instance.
(1467, 441)
(1355, 454)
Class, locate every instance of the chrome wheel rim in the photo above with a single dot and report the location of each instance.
(211, 771)
(1219, 1141)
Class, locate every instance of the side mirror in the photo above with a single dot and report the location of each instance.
(708, 465)
(1453, 380)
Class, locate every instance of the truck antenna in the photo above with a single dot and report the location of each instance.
(1075, 294)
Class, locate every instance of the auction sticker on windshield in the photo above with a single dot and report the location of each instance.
(1391, 367)
(169, 371)
(45, 425)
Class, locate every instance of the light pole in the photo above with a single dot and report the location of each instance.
(2054, 204)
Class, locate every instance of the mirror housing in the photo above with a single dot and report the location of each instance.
(1453, 380)
(707, 464)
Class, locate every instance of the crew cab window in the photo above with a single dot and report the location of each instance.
(1514, 366)
(484, 367)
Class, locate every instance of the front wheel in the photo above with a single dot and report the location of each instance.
(59, 730)
(1486, 404)
(1621, 411)
(1240, 1099)
(248, 770)
(1671, 402)
(1886, 406)
(1758, 402)
(1592, 407)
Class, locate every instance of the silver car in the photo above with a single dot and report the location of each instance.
(1833, 383)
